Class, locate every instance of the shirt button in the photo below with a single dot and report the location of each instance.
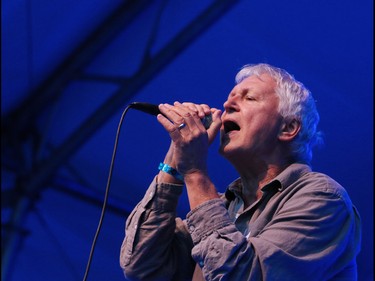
(191, 228)
(201, 263)
(135, 226)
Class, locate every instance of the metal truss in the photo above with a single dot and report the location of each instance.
(20, 137)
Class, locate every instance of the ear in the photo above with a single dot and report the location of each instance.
(289, 129)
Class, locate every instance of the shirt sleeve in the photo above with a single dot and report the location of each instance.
(311, 235)
(157, 245)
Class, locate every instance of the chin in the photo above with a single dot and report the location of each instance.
(224, 150)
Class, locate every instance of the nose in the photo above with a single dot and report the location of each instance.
(231, 103)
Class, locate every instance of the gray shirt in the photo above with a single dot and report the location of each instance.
(304, 227)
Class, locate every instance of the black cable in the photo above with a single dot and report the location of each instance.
(106, 193)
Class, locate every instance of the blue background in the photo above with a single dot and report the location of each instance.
(328, 45)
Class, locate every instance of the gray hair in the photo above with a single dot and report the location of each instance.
(295, 101)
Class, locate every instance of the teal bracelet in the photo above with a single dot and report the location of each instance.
(169, 170)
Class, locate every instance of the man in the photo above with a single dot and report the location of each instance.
(278, 221)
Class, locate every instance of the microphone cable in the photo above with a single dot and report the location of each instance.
(106, 192)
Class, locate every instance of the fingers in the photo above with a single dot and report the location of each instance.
(169, 125)
(201, 109)
(179, 114)
(172, 115)
(174, 120)
(215, 125)
(188, 115)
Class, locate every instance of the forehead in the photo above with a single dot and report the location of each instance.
(263, 82)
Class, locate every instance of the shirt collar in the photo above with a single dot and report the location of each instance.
(289, 175)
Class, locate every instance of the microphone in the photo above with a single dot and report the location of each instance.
(153, 109)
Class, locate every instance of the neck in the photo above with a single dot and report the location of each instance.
(253, 180)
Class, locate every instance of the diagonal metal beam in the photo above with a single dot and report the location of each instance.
(37, 180)
(49, 91)
(17, 125)
(127, 90)
(92, 197)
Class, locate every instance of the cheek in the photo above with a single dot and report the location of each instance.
(257, 136)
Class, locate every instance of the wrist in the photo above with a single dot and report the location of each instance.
(168, 172)
(199, 188)
(196, 177)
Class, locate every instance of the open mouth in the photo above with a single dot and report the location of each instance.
(230, 126)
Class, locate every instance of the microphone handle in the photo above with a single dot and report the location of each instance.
(153, 109)
(149, 108)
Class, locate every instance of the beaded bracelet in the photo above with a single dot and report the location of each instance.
(169, 170)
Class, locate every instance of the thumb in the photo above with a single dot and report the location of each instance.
(215, 125)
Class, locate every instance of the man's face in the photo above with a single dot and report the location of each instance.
(251, 122)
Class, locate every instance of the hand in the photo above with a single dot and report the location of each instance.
(190, 143)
